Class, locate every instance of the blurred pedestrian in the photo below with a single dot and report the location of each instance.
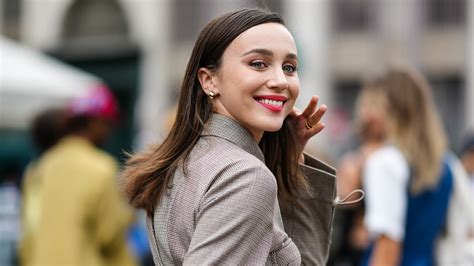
(83, 218)
(369, 123)
(45, 131)
(456, 245)
(47, 128)
(408, 181)
(211, 188)
(10, 174)
(467, 157)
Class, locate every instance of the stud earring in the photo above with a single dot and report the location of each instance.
(212, 95)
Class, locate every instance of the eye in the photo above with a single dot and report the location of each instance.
(289, 68)
(258, 64)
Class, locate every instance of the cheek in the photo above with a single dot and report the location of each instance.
(236, 83)
(294, 90)
(294, 84)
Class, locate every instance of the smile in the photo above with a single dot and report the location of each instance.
(273, 103)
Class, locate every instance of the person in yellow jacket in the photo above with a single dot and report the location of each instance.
(82, 217)
(45, 131)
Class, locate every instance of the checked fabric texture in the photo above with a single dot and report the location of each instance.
(222, 208)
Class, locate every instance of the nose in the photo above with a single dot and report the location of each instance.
(277, 80)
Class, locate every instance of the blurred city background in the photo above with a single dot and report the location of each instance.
(51, 50)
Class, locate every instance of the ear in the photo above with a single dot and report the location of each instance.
(207, 80)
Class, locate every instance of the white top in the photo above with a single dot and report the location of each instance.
(385, 181)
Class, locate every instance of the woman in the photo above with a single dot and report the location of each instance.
(211, 189)
(407, 181)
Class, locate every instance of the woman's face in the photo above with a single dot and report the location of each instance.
(257, 80)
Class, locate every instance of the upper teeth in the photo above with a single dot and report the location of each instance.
(271, 102)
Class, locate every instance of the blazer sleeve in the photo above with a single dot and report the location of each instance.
(234, 224)
(310, 224)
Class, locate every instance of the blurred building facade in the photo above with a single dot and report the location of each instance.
(143, 47)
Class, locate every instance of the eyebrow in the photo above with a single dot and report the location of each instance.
(269, 53)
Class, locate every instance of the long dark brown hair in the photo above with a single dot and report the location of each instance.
(147, 174)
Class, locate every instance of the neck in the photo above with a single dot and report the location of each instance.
(257, 135)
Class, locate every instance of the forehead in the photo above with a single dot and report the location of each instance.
(271, 36)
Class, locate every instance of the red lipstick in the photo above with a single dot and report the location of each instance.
(273, 103)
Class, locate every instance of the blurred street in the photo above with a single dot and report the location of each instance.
(53, 52)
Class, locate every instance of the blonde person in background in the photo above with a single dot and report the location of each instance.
(408, 181)
(82, 217)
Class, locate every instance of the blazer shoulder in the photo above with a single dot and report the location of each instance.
(220, 153)
(218, 161)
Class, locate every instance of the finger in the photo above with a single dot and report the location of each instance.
(309, 110)
(317, 128)
(316, 117)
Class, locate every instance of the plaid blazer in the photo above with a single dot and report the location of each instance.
(222, 207)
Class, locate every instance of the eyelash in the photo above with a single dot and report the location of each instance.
(293, 68)
(258, 64)
(261, 64)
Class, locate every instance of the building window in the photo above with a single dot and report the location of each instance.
(94, 28)
(351, 15)
(190, 16)
(92, 18)
(441, 13)
(10, 14)
(186, 20)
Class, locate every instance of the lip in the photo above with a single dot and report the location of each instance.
(272, 97)
(271, 107)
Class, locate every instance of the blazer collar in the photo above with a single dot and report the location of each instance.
(223, 127)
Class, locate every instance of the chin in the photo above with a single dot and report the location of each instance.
(272, 127)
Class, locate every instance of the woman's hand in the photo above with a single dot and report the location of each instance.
(308, 123)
